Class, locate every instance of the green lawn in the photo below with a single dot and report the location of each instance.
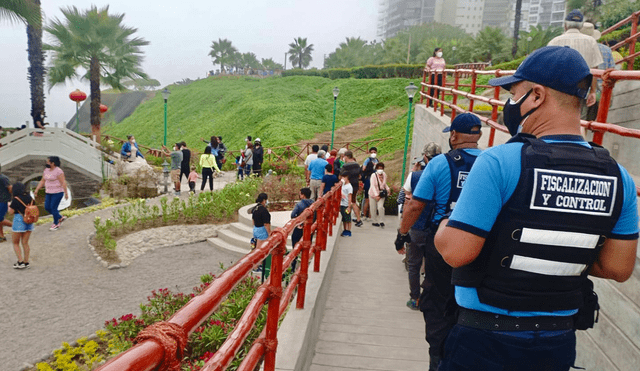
(280, 111)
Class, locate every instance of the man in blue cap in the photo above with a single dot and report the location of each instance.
(585, 45)
(535, 217)
(439, 187)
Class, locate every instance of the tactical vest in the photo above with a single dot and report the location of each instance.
(460, 163)
(538, 254)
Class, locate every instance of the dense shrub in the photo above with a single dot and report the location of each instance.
(367, 72)
(301, 72)
(507, 66)
(338, 73)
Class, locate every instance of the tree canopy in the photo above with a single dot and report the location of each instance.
(222, 52)
(20, 11)
(300, 52)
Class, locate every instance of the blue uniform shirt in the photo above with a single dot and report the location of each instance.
(435, 183)
(489, 186)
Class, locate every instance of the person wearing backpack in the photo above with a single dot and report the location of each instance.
(21, 229)
(55, 186)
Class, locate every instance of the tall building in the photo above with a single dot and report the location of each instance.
(398, 15)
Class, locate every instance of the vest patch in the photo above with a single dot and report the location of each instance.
(576, 193)
(462, 177)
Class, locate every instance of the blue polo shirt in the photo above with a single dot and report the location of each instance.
(316, 167)
(489, 186)
(435, 184)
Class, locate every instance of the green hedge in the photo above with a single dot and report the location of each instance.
(506, 66)
(410, 71)
(339, 73)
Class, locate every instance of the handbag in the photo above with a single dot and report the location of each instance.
(383, 192)
(31, 212)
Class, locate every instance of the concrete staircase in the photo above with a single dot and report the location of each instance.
(236, 237)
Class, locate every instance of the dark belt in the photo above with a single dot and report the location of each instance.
(498, 322)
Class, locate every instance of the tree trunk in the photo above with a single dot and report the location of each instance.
(36, 69)
(516, 28)
(94, 79)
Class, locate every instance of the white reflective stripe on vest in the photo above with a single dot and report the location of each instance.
(558, 238)
(546, 267)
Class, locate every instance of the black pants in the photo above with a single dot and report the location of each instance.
(207, 172)
(184, 170)
(257, 169)
(433, 91)
(437, 301)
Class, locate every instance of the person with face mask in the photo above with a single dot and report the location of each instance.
(537, 215)
(176, 163)
(368, 168)
(130, 150)
(439, 187)
(378, 193)
(436, 65)
(55, 186)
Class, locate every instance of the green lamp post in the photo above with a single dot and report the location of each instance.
(411, 91)
(336, 91)
(165, 96)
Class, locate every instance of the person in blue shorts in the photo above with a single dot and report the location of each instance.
(438, 188)
(536, 217)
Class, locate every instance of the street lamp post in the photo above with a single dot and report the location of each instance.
(411, 91)
(336, 91)
(165, 96)
(453, 56)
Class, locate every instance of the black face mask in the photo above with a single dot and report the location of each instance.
(512, 115)
(450, 145)
(47, 166)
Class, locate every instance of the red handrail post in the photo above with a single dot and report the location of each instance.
(273, 312)
(324, 224)
(456, 81)
(474, 80)
(444, 84)
(431, 81)
(632, 44)
(603, 110)
(320, 234)
(304, 261)
(494, 112)
(424, 79)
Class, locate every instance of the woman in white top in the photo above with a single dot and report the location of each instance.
(378, 193)
(436, 65)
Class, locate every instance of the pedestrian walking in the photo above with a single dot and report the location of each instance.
(353, 171)
(55, 186)
(258, 157)
(261, 219)
(185, 164)
(5, 198)
(346, 203)
(176, 163)
(316, 172)
(378, 193)
(193, 178)
(440, 186)
(239, 168)
(305, 201)
(436, 65)
(368, 168)
(248, 159)
(536, 216)
(21, 230)
(208, 164)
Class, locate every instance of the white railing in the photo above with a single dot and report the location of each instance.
(71, 147)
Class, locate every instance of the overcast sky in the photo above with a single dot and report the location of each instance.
(180, 35)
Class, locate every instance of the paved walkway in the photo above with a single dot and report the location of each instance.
(67, 294)
(366, 323)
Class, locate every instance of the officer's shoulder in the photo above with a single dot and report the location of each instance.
(507, 149)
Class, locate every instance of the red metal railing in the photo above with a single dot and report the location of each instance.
(150, 355)
(631, 40)
(598, 127)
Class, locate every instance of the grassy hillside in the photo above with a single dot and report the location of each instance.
(280, 111)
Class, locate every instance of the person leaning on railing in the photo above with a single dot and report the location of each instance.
(436, 66)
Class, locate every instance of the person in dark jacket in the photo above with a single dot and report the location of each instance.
(305, 201)
(185, 165)
(130, 149)
(258, 157)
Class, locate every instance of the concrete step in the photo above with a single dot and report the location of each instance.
(232, 237)
(242, 229)
(223, 245)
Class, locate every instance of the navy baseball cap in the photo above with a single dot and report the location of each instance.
(575, 15)
(464, 123)
(557, 67)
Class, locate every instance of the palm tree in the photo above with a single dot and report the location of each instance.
(99, 43)
(21, 11)
(221, 52)
(30, 13)
(300, 53)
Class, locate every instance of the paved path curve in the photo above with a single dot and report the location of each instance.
(67, 294)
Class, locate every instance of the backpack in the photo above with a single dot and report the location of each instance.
(31, 212)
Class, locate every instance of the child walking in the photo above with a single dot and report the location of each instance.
(240, 168)
(21, 230)
(192, 178)
(345, 204)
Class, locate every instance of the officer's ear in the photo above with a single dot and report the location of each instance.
(539, 95)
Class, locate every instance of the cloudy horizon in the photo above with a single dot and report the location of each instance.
(180, 39)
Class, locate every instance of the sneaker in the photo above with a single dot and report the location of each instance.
(25, 265)
(375, 224)
(358, 223)
(54, 227)
(62, 219)
(19, 265)
(382, 225)
(413, 304)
